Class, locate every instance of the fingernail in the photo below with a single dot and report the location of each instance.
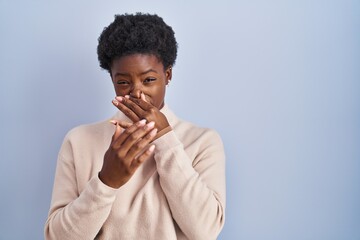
(153, 132)
(119, 98)
(127, 96)
(113, 122)
(150, 125)
(115, 102)
(142, 122)
(152, 148)
(142, 96)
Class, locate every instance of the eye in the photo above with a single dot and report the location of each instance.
(150, 79)
(122, 82)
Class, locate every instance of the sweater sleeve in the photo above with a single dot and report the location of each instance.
(195, 188)
(75, 215)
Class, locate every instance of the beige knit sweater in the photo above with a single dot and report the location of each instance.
(179, 193)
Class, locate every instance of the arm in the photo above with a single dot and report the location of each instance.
(75, 215)
(195, 189)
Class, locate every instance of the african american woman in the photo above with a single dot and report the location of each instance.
(144, 173)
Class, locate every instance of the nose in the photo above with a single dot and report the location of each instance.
(135, 92)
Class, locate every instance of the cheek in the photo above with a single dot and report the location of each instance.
(117, 91)
(158, 96)
(120, 92)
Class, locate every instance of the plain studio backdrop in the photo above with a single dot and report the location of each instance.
(279, 80)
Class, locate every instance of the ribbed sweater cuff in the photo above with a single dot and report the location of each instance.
(101, 189)
(168, 141)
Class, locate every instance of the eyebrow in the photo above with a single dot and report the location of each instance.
(143, 73)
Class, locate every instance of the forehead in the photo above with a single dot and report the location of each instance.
(136, 62)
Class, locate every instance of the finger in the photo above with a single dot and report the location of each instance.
(117, 130)
(141, 103)
(126, 110)
(140, 145)
(135, 137)
(122, 124)
(142, 96)
(142, 157)
(130, 103)
(127, 132)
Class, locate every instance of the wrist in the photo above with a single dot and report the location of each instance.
(163, 132)
(107, 181)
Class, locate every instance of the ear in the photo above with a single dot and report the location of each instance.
(168, 74)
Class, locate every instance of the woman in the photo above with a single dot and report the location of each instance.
(148, 174)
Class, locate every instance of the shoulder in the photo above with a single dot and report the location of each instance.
(87, 136)
(189, 133)
(199, 143)
(88, 130)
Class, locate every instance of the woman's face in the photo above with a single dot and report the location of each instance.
(141, 73)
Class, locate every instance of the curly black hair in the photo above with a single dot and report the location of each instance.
(137, 33)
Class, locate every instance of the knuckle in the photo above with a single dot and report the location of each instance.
(137, 101)
(120, 155)
(136, 148)
(127, 131)
(148, 137)
(131, 105)
(140, 145)
(132, 137)
(128, 170)
(112, 147)
(152, 110)
(148, 116)
(127, 111)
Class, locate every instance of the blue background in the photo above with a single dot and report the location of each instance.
(279, 80)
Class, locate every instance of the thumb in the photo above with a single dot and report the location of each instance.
(117, 130)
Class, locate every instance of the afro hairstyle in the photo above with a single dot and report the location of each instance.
(137, 33)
